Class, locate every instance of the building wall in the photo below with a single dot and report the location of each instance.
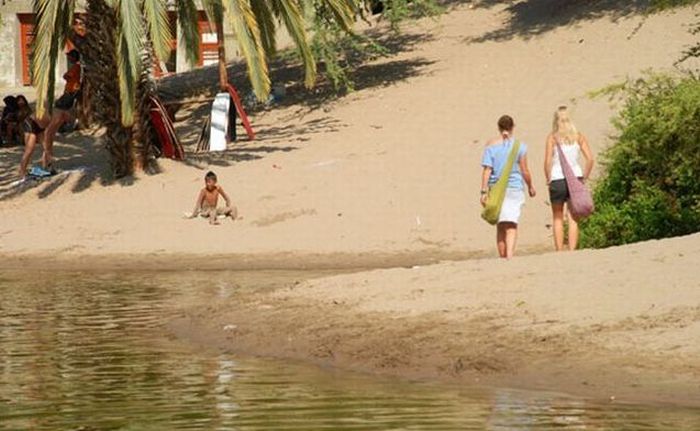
(233, 52)
(10, 49)
(8, 54)
(10, 44)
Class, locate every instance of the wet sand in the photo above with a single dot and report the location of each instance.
(589, 325)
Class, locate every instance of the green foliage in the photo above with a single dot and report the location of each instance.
(156, 16)
(693, 51)
(659, 5)
(396, 11)
(651, 187)
(188, 18)
(340, 50)
(53, 18)
(131, 35)
(245, 27)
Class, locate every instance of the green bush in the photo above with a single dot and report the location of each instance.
(651, 185)
(659, 5)
(339, 52)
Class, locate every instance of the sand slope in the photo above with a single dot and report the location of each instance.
(393, 168)
(623, 322)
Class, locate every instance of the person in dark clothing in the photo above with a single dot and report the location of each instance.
(9, 122)
(63, 106)
(34, 130)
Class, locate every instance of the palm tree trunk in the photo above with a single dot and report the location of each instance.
(100, 61)
(101, 76)
(223, 74)
(144, 133)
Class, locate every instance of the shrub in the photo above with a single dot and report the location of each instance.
(340, 53)
(651, 185)
(659, 5)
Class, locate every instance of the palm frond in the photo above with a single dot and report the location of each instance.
(344, 12)
(247, 33)
(130, 43)
(214, 10)
(188, 17)
(266, 23)
(156, 13)
(53, 19)
(290, 13)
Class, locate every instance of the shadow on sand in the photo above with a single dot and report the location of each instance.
(78, 155)
(189, 96)
(531, 18)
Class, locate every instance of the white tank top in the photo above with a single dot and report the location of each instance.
(572, 152)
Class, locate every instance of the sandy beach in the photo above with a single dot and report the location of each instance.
(621, 324)
(388, 177)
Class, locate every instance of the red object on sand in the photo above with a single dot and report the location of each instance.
(241, 112)
(169, 144)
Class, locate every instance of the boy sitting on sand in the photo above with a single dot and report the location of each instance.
(208, 199)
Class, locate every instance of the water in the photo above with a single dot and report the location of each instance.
(89, 352)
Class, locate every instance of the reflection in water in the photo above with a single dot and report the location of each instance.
(81, 350)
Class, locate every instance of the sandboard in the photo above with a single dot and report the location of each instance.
(241, 112)
(219, 122)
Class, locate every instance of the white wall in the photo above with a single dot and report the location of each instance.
(9, 50)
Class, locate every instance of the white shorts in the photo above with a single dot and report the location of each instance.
(512, 205)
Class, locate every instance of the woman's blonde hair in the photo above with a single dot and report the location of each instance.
(563, 126)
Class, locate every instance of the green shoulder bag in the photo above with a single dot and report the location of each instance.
(497, 193)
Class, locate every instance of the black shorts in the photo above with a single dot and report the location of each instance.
(31, 126)
(66, 101)
(559, 191)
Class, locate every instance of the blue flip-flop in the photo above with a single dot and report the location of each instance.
(39, 172)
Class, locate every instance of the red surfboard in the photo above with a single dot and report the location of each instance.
(170, 144)
(241, 112)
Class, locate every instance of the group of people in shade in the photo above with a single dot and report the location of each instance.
(575, 149)
(19, 124)
(14, 114)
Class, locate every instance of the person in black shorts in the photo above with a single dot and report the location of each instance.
(63, 106)
(34, 129)
(575, 146)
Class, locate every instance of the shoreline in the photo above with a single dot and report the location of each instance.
(621, 345)
(448, 317)
(241, 261)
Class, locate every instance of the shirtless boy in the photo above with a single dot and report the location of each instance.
(208, 198)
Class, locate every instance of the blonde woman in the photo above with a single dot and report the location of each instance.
(574, 145)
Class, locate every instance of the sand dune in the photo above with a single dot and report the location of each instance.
(392, 168)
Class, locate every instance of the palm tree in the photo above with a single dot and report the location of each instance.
(125, 35)
(254, 23)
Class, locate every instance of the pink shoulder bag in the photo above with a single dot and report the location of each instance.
(580, 199)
